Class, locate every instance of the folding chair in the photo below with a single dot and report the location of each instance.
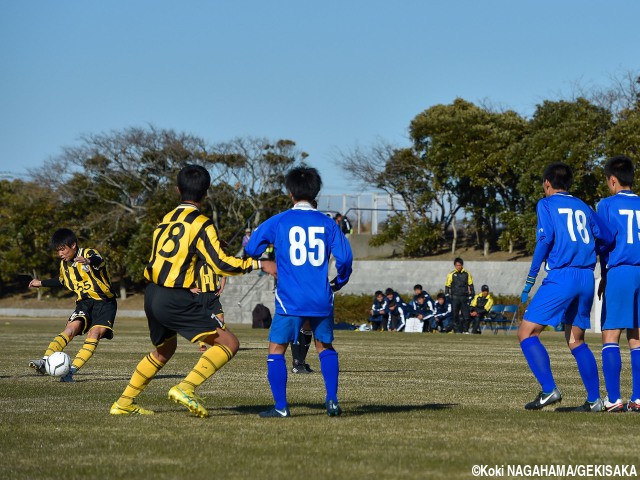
(493, 316)
(510, 313)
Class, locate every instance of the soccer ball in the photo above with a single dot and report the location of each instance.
(57, 364)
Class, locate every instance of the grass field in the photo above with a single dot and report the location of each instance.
(415, 406)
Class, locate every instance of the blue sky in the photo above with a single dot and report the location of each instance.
(328, 75)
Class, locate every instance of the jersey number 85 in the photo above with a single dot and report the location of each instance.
(305, 245)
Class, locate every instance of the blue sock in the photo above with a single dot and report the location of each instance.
(277, 375)
(635, 373)
(539, 363)
(588, 369)
(330, 369)
(611, 367)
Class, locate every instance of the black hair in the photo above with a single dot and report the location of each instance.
(559, 175)
(458, 260)
(392, 303)
(63, 237)
(417, 286)
(620, 167)
(193, 183)
(389, 291)
(440, 295)
(303, 182)
(378, 292)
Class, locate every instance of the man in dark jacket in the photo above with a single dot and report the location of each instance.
(459, 288)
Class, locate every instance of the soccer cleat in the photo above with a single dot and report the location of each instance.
(596, 406)
(544, 400)
(613, 407)
(273, 412)
(333, 409)
(633, 405)
(38, 366)
(132, 409)
(69, 376)
(189, 400)
(301, 368)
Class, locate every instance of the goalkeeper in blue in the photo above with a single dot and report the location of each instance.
(304, 239)
(567, 236)
(620, 282)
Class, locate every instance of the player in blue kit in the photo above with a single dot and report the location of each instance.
(304, 239)
(620, 282)
(566, 239)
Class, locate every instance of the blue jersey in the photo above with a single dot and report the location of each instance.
(304, 239)
(621, 213)
(567, 233)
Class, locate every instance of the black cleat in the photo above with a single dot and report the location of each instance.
(333, 409)
(544, 400)
(301, 368)
(588, 406)
(273, 412)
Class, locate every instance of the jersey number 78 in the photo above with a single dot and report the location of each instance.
(579, 218)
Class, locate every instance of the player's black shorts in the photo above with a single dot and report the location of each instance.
(176, 310)
(211, 302)
(95, 313)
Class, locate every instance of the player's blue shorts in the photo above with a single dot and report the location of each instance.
(285, 328)
(565, 296)
(621, 298)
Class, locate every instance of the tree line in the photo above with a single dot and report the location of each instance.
(467, 161)
(112, 189)
(487, 164)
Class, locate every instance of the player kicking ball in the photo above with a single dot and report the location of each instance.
(566, 239)
(304, 239)
(84, 272)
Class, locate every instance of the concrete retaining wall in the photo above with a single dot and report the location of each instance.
(243, 293)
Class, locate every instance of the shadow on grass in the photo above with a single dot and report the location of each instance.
(569, 409)
(378, 371)
(349, 411)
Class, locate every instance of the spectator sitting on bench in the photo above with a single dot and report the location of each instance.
(378, 311)
(428, 301)
(422, 311)
(442, 314)
(480, 306)
(397, 316)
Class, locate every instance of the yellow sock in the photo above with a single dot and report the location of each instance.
(210, 362)
(85, 353)
(144, 373)
(58, 344)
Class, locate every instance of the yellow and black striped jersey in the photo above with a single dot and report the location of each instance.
(184, 237)
(206, 279)
(88, 281)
